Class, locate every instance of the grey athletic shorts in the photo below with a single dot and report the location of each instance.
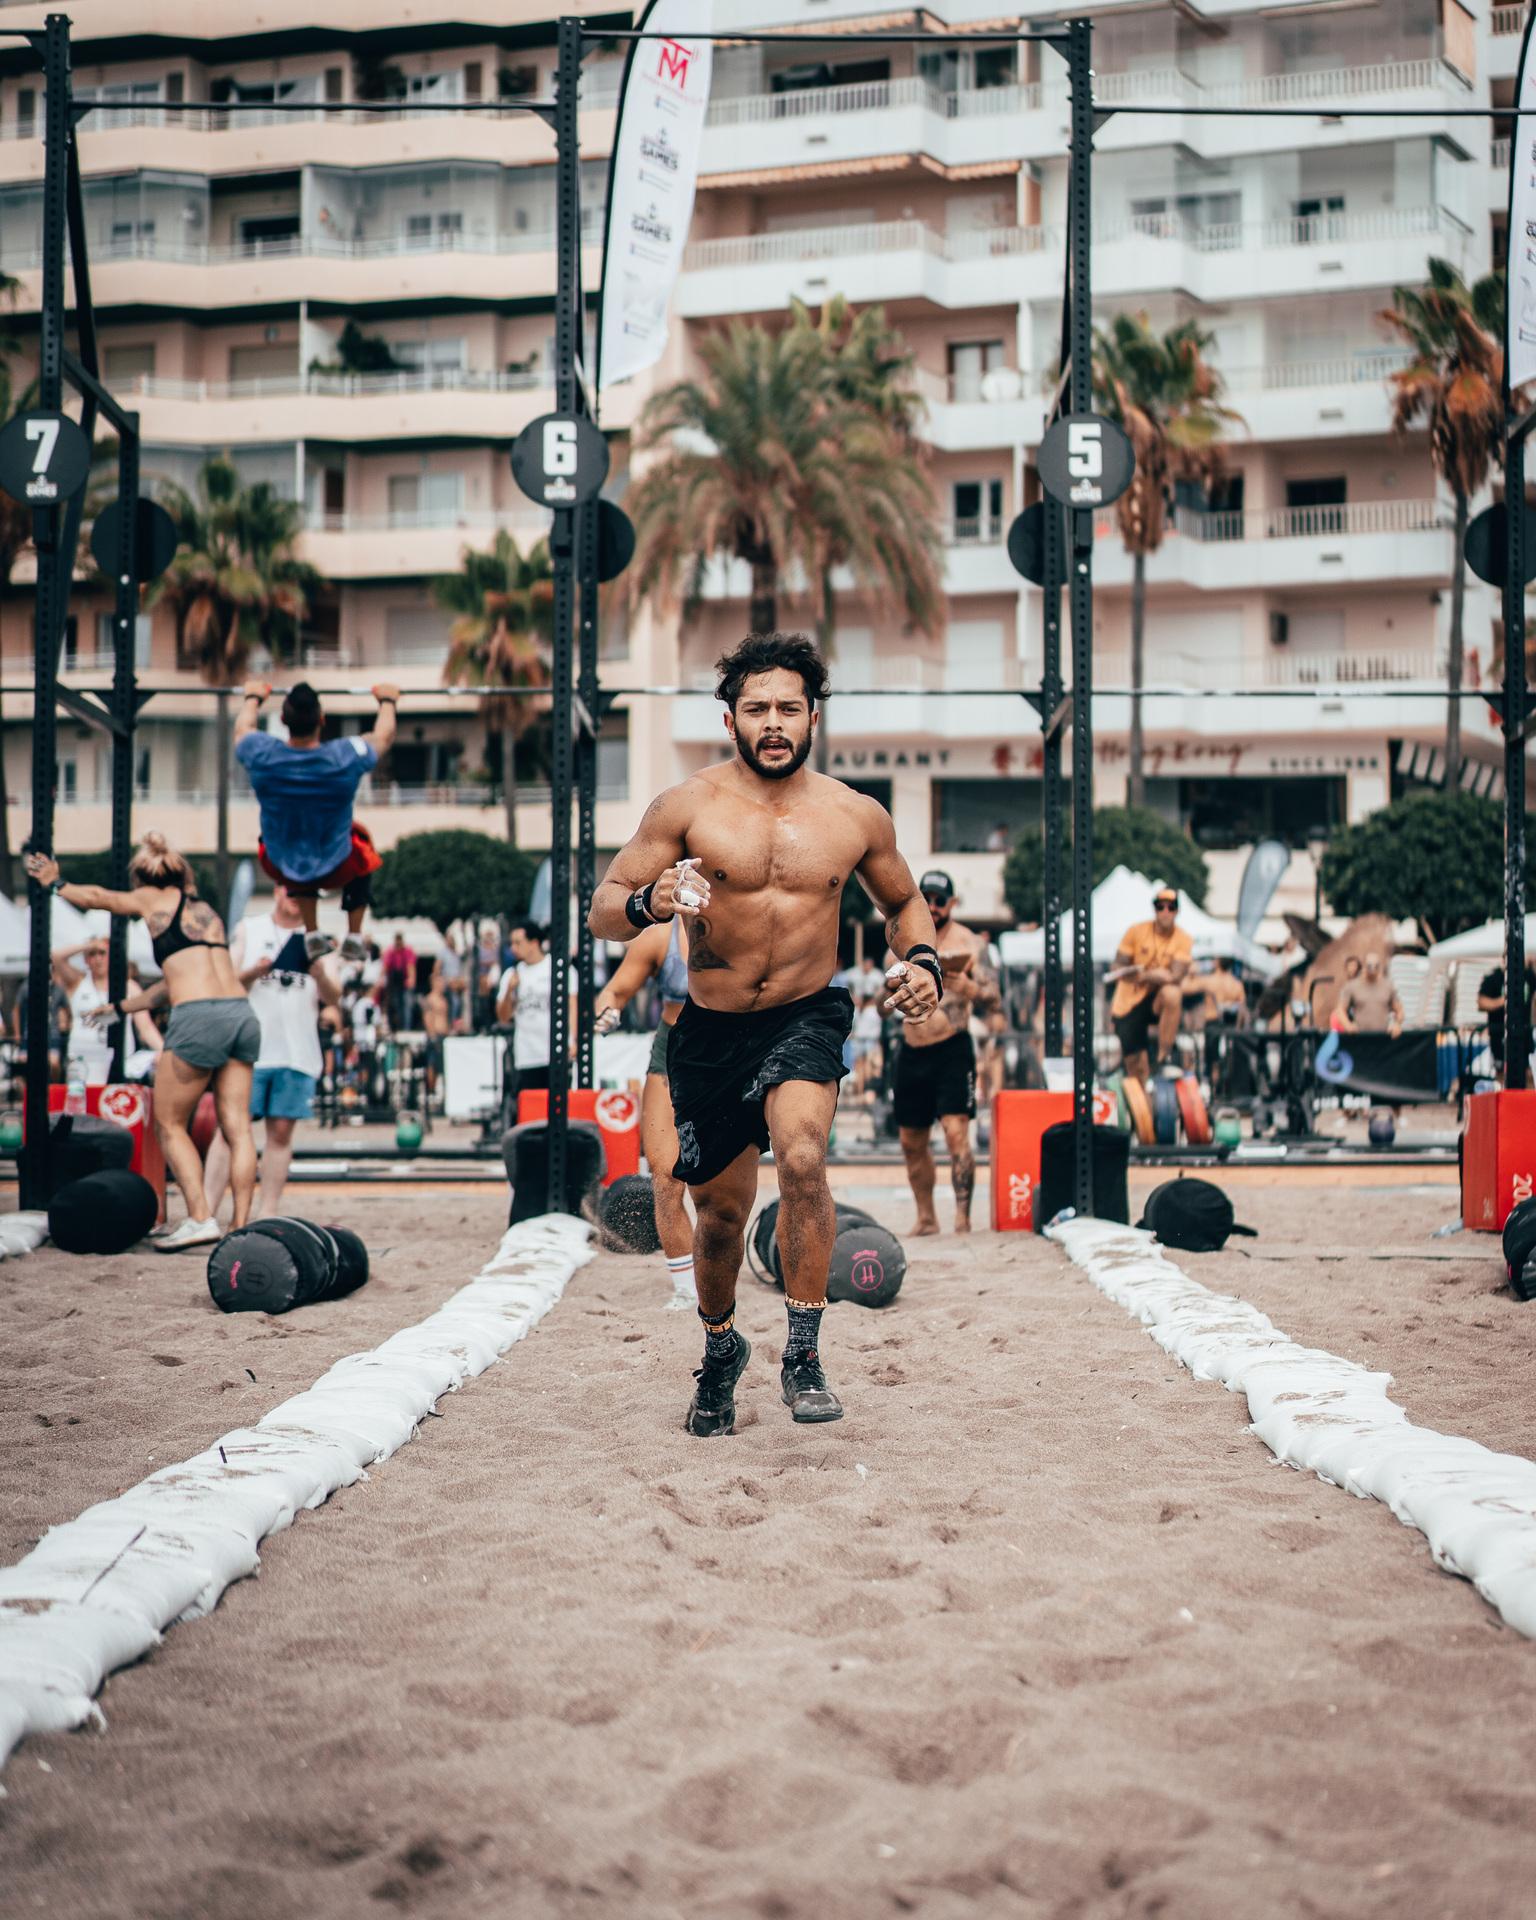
(211, 1033)
(659, 1047)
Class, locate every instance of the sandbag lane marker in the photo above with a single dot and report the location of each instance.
(100, 1590)
(1316, 1411)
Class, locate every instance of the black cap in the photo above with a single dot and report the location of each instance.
(1191, 1215)
(936, 882)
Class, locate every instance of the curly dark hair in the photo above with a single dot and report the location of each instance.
(761, 653)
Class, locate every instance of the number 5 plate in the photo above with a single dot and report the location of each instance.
(44, 458)
(1086, 461)
(560, 460)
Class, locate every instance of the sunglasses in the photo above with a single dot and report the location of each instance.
(938, 899)
(1166, 906)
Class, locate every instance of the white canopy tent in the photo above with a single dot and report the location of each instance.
(1480, 943)
(1120, 900)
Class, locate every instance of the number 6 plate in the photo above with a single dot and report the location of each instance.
(560, 460)
(45, 459)
(1086, 461)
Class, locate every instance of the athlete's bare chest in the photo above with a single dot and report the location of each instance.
(748, 849)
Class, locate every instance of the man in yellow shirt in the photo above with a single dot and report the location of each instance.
(1151, 963)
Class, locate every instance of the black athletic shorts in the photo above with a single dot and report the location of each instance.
(720, 1067)
(931, 1081)
(1134, 1029)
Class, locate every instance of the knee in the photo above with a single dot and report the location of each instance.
(914, 1142)
(801, 1163)
(1168, 998)
(722, 1219)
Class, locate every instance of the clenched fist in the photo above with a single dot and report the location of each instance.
(681, 889)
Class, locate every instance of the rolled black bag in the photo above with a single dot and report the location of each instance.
(272, 1266)
(868, 1262)
(1194, 1216)
(1111, 1173)
(80, 1144)
(106, 1212)
(351, 1263)
(1519, 1238)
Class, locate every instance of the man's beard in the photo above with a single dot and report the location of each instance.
(797, 759)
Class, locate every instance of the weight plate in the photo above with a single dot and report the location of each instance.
(1192, 1111)
(1085, 461)
(1026, 543)
(1165, 1113)
(45, 458)
(1140, 1110)
(615, 540)
(560, 459)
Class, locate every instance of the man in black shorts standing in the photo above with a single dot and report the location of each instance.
(755, 853)
(936, 1068)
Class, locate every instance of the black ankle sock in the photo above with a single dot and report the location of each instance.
(719, 1336)
(804, 1330)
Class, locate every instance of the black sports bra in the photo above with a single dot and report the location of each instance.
(174, 940)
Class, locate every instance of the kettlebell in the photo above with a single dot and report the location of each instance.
(10, 1132)
(1382, 1129)
(1228, 1130)
(408, 1133)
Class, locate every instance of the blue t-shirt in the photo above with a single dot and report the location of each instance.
(306, 796)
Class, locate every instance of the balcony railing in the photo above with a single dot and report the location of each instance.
(1369, 368)
(974, 530)
(1507, 20)
(1169, 671)
(895, 236)
(150, 386)
(518, 521)
(904, 673)
(153, 246)
(1283, 668)
(1311, 523)
(443, 793)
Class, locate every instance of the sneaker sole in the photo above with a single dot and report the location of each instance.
(815, 1419)
(727, 1415)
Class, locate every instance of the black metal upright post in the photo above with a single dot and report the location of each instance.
(563, 556)
(1051, 791)
(586, 791)
(1517, 1026)
(125, 702)
(49, 605)
(1080, 62)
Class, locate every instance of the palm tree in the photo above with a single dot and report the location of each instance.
(765, 460)
(503, 603)
(1455, 382)
(235, 583)
(866, 368)
(1167, 396)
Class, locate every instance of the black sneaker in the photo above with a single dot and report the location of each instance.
(712, 1409)
(805, 1390)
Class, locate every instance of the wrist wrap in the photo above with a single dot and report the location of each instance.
(927, 957)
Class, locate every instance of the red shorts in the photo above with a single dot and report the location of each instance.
(364, 859)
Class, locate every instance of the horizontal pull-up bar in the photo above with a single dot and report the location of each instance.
(1354, 691)
(833, 39)
(1326, 113)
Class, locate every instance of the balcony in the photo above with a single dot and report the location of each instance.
(817, 126)
(378, 546)
(442, 402)
(909, 260)
(440, 265)
(1315, 399)
(1503, 21)
(1277, 547)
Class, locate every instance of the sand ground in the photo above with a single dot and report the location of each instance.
(1037, 1630)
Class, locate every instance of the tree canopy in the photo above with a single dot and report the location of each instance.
(450, 875)
(1131, 837)
(1437, 858)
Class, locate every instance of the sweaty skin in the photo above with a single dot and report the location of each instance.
(773, 859)
(969, 986)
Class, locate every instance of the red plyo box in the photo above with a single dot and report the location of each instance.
(616, 1112)
(1498, 1158)
(1018, 1122)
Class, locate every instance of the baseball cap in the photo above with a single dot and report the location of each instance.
(1191, 1215)
(936, 882)
(1162, 895)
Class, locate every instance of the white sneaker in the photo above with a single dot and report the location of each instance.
(352, 948)
(191, 1233)
(317, 946)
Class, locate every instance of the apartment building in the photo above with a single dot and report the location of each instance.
(1298, 611)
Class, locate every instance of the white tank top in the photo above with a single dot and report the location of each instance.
(286, 1003)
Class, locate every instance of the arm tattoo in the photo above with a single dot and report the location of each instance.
(702, 957)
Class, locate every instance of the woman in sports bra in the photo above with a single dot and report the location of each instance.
(660, 952)
(213, 1034)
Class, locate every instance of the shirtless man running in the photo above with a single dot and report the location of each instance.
(755, 853)
(936, 1069)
